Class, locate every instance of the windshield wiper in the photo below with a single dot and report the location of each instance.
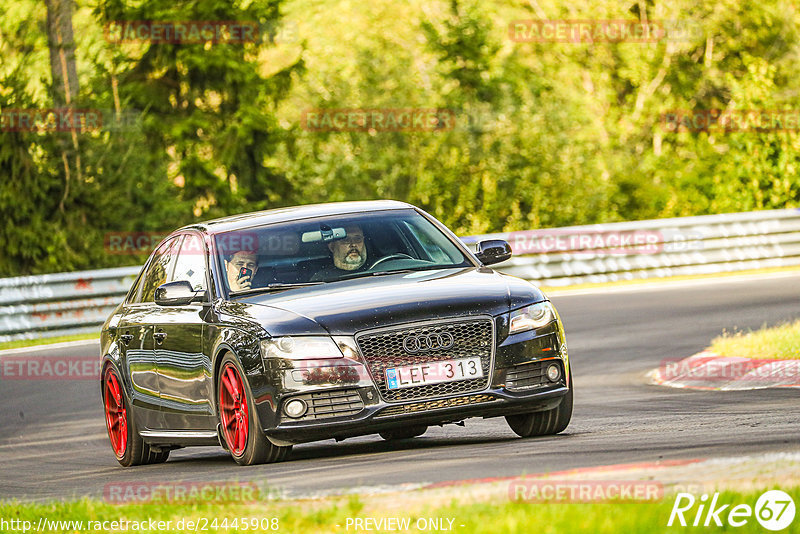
(273, 287)
(376, 273)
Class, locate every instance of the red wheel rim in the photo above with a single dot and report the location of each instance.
(116, 414)
(233, 409)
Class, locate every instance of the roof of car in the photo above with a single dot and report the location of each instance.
(258, 218)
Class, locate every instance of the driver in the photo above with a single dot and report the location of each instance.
(240, 269)
(349, 254)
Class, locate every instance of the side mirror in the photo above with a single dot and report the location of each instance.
(176, 294)
(493, 251)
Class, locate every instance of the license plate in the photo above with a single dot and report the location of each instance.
(433, 373)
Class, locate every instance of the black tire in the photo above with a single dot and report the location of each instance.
(404, 433)
(544, 423)
(136, 451)
(257, 448)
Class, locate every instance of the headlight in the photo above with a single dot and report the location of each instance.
(532, 317)
(300, 348)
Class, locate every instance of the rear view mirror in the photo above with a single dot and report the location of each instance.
(493, 251)
(325, 233)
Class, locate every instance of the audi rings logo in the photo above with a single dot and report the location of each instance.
(425, 342)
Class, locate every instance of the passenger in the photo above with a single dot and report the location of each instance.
(240, 268)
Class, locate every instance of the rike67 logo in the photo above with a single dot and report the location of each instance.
(774, 510)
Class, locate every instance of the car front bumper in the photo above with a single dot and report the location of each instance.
(381, 416)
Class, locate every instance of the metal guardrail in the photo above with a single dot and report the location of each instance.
(72, 303)
(62, 303)
(654, 248)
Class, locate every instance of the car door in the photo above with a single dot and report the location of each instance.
(136, 338)
(184, 367)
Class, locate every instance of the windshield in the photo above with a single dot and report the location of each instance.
(328, 249)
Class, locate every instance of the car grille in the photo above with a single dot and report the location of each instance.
(529, 375)
(384, 350)
(435, 404)
(324, 404)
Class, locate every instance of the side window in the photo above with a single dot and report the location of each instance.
(159, 269)
(133, 296)
(191, 262)
(136, 293)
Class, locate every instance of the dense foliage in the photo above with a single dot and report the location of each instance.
(545, 134)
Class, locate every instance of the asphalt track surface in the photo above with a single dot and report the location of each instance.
(53, 443)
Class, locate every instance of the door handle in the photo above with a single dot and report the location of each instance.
(160, 337)
(126, 338)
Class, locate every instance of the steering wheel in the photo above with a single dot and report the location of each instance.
(398, 256)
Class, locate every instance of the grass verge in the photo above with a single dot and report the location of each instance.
(779, 342)
(46, 341)
(338, 514)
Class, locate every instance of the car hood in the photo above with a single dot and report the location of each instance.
(346, 307)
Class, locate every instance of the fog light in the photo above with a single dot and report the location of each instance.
(295, 408)
(553, 373)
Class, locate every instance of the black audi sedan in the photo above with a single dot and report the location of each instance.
(263, 330)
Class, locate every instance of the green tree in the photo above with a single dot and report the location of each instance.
(208, 107)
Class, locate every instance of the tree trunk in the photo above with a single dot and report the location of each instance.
(65, 79)
(62, 51)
